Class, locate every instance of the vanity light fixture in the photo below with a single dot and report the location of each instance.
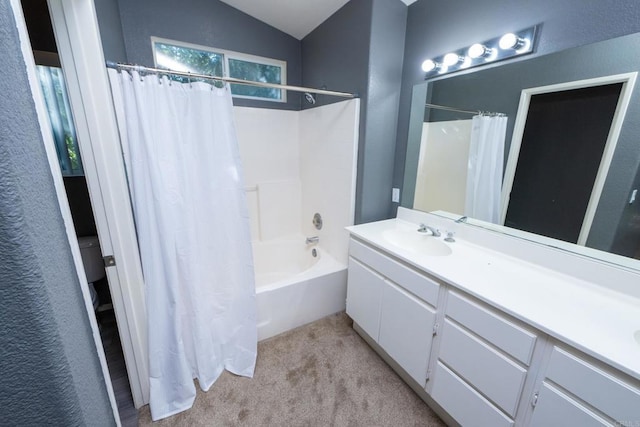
(479, 50)
(497, 49)
(452, 59)
(430, 65)
(510, 41)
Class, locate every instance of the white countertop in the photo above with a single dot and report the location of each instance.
(592, 318)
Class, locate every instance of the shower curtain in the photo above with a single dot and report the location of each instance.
(484, 173)
(183, 167)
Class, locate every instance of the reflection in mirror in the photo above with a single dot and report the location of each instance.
(615, 222)
(564, 139)
(460, 165)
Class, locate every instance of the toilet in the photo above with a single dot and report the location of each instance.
(93, 264)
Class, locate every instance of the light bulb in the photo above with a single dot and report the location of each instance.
(478, 51)
(509, 41)
(429, 65)
(450, 59)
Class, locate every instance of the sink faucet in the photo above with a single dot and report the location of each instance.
(314, 239)
(424, 228)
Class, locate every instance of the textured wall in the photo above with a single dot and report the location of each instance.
(209, 23)
(50, 368)
(437, 26)
(359, 49)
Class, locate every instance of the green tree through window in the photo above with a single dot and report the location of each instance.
(59, 110)
(191, 59)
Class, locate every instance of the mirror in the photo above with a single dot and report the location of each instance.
(615, 228)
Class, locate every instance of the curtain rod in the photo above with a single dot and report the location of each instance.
(140, 68)
(457, 110)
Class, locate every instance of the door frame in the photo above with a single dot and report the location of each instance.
(80, 50)
(628, 82)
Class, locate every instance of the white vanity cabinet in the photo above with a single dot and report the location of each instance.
(476, 359)
(394, 305)
(482, 365)
(584, 393)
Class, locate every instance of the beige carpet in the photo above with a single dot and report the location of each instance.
(322, 374)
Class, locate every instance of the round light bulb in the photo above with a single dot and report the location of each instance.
(450, 59)
(477, 51)
(509, 41)
(429, 65)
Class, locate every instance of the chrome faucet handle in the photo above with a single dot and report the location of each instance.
(424, 228)
(449, 237)
(310, 240)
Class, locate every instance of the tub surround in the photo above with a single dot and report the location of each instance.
(297, 163)
(557, 303)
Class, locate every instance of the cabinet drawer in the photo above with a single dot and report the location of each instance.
(364, 294)
(406, 325)
(490, 372)
(414, 282)
(608, 394)
(499, 331)
(555, 408)
(463, 403)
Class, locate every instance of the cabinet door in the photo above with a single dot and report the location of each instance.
(554, 408)
(364, 288)
(406, 330)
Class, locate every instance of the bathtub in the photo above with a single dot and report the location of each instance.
(294, 287)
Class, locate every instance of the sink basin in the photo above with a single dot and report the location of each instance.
(419, 243)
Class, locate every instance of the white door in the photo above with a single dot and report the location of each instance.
(543, 187)
(80, 50)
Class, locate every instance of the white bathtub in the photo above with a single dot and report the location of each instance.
(293, 287)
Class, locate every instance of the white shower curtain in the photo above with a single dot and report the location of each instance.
(484, 174)
(186, 184)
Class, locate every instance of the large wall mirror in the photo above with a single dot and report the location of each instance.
(613, 232)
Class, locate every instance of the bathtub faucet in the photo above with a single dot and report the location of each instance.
(310, 240)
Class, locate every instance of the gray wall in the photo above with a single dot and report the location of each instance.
(108, 13)
(49, 363)
(209, 23)
(437, 26)
(359, 49)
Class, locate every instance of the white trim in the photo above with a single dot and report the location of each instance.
(61, 194)
(230, 54)
(80, 49)
(628, 82)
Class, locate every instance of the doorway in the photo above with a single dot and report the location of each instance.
(563, 142)
(53, 85)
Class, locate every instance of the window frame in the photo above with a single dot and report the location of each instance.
(230, 54)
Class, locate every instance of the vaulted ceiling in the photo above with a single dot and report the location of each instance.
(294, 17)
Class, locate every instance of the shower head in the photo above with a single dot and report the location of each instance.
(310, 98)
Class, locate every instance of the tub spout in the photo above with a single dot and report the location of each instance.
(310, 240)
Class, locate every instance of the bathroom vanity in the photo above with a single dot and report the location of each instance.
(495, 330)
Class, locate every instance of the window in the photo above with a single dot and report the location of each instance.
(64, 133)
(173, 55)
